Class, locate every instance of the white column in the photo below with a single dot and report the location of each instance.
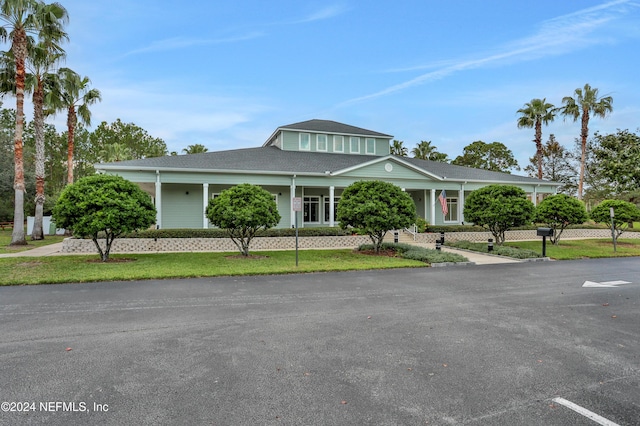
(158, 201)
(461, 203)
(535, 196)
(432, 219)
(424, 201)
(331, 205)
(301, 223)
(293, 194)
(205, 202)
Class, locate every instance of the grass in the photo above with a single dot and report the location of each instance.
(71, 269)
(580, 249)
(5, 239)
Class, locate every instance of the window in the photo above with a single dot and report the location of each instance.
(305, 142)
(338, 144)
(452, 214)
(311, 209)
(354, 145)
(321, 142)
(327, 208)
(370, 144)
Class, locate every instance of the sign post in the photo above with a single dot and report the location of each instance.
(296, 202)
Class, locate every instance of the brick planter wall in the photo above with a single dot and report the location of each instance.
(149, 245)
(520, 235)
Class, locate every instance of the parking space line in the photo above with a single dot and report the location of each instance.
(583, 411)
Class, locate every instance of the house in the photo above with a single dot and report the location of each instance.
(314, 160)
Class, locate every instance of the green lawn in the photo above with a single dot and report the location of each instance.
(579, 249)
(63, 269)
(5, 239)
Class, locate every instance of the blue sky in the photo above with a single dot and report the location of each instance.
(227, 74)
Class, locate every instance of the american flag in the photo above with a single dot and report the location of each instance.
(443, 202)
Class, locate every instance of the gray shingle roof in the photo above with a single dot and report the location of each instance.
(329, 126)
(453, 172)
(273, 160)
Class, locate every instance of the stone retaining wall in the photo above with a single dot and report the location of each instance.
(150, 245)
(520, 235)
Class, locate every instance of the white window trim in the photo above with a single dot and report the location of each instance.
(337, 138)
(326, 202)
(351, 140)
(366, 145)
(320, 206)
(450, 199)
(300, 147)
(326, 143)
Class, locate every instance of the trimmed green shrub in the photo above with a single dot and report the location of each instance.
(624, 213)
(559, 211)
(103, 207)
(499, 208)
(375, 207)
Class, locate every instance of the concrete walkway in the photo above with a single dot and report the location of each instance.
(475, 257)
(48, 250)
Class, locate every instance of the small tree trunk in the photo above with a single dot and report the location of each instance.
(19, 48)
(71, 127)
(38, 231)
(38, 113)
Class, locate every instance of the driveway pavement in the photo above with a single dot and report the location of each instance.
(505, 344)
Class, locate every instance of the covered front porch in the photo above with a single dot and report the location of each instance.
(182, 205)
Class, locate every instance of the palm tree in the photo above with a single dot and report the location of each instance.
(423, 150)
(585, 103)
(535, 114)
(398, 149)
(42, 58)
(115, 152)
(20, 19)
(195, 149)
(74, 95)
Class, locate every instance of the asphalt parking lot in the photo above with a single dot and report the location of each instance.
(478, 345)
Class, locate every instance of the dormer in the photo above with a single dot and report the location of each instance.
(331, 137)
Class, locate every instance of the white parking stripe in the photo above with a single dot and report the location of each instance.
(583, 411)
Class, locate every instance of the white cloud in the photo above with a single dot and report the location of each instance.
(182, 43)
(556, 36)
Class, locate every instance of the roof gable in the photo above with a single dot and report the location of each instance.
(328, 127)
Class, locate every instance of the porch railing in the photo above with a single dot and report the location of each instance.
(413, 230)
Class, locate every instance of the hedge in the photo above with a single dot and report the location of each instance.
(421, 254)
(221, 233)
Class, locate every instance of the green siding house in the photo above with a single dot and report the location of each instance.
(314, 160)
